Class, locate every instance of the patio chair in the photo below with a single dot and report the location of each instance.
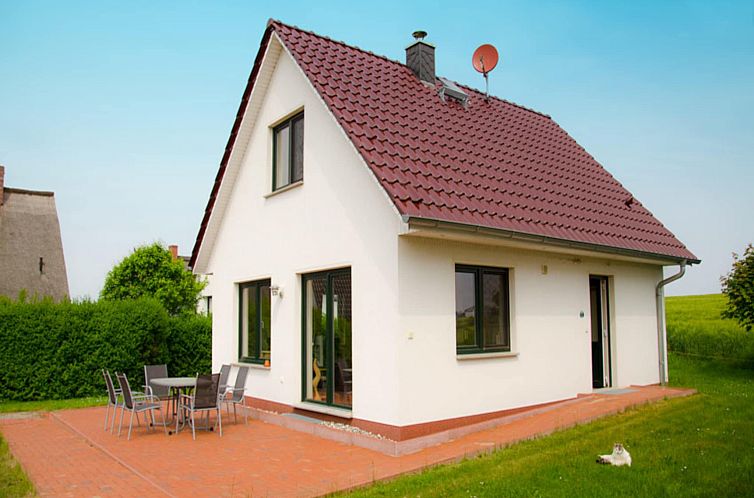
(113, 395)
(343, 377)
(222, 387)
(156, 372)
(137, 404)
(236, 394)
(204, 400)
(162, 392)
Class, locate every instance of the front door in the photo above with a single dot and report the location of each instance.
(600, 315)
(327, 362)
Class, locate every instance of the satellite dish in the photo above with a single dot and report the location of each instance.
(484, 60)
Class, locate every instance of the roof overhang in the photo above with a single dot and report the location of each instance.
(460, 232)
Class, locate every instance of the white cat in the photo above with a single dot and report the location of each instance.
(619, 456)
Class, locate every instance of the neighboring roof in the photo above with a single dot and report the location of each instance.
(31, 249)
(492, 163)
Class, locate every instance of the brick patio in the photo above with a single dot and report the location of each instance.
(66, 453)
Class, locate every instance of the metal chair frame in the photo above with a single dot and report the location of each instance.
(222, 387)
(113, 395)
(136, 405)
(237, 394)
(207, 388)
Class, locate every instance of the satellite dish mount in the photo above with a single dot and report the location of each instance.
(484, 60)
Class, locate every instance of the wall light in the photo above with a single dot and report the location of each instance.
(276, 290)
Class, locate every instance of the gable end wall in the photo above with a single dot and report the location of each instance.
(338, 217)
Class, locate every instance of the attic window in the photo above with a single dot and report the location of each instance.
(288, 152)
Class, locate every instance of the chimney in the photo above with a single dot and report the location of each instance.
(420, 58)
(173, 251)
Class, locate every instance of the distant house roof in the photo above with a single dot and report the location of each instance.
(490, 163)
(31, 249)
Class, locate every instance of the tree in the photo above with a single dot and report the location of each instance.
(738, 286)
(151, 271)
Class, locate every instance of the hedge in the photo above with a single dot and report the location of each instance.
(57, 351)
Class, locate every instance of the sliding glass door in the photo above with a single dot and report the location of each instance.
(326, 323)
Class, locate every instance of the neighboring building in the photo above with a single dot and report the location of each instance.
(204, 304)
(31, 250)
(397, 250)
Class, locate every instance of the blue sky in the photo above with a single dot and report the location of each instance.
(124, 108)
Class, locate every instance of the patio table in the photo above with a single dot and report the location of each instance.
(176, 385)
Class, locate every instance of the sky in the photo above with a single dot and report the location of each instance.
(123, 109)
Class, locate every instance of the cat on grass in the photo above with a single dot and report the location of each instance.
(618, 457)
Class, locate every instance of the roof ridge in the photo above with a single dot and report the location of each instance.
(504, 101)
(15, 190)
(384, 57)
(339, 42)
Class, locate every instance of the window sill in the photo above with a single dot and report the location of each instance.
(284, 189)
(484, 356)
(327, 410)
(255, 366)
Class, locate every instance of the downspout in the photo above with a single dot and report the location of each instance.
(661, 339)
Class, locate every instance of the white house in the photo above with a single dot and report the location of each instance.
(397, 250)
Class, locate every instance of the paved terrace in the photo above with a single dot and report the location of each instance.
(66, 453)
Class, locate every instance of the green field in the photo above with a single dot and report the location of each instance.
(695, 328)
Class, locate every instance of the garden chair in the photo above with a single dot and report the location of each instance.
(204, 401)
(156, 372)
(236, 394)
(113, 395)
(222, 387)
(162, 392)
(137, 404)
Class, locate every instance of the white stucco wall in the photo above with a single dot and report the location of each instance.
(339, 217)
(552, 341)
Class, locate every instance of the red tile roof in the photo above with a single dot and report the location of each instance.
(493, 163)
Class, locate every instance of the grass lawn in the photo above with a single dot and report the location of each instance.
(697, 446)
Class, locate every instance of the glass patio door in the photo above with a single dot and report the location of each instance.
(327, 362)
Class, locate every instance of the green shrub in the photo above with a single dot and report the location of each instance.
(738, 287)
(151, 271)
(695, 327)
(189, 345)
(56, 351)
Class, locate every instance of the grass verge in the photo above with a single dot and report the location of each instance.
(49, 405)
(13, 480)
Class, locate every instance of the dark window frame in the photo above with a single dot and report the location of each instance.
(479, 272)
(329, 275)
(287, 123)
(257, 356)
